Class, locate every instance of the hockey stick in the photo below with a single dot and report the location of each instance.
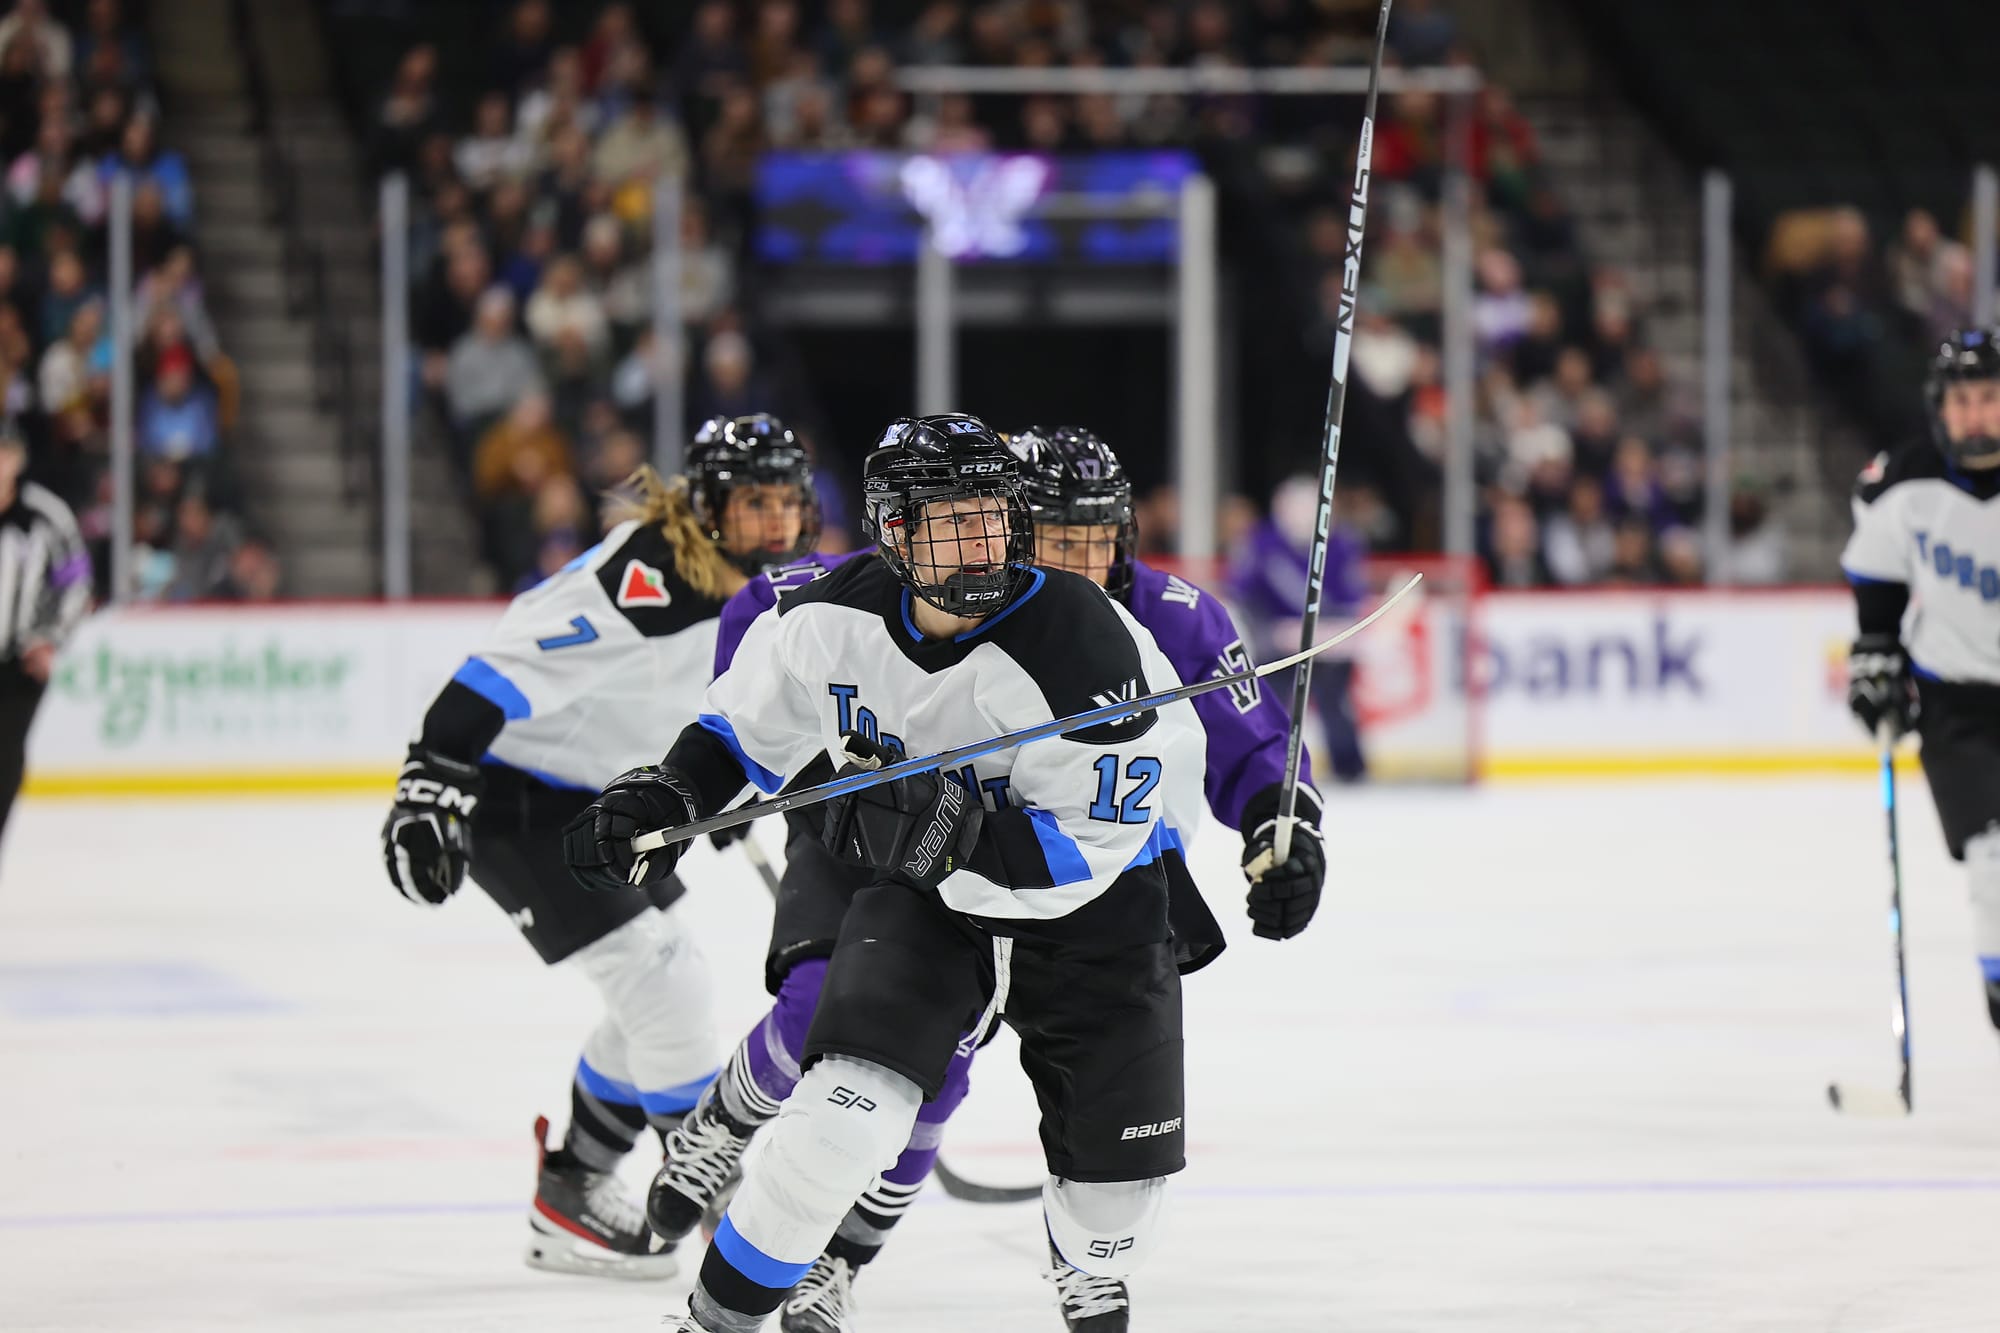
(958, 1187)
(763, 864)
(1336, 406)
(965, 754)
(1859, 1100)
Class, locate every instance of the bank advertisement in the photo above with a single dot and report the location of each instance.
(306, 697)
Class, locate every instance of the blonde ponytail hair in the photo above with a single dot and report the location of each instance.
(668, 504)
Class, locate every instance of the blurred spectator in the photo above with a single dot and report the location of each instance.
(1514, 547)
(177, 417)
(621, 287)
(1268, 576)
(77, 366)
(1421, 34)
(253, 573)
(490, 367)
(562, 305)
(204, 544)
(492, 152)
(1756, 550)
(729, 386)
(1919, 262)
(105, 30)
(1580, 544)
(520, 451)
(641, 146)
(1500, 310)
(1680, 557)
(69, 290)
(1632, 553)
(139, 153)
(31, 24)
(409, 113)
(523, 51)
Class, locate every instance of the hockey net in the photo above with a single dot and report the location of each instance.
(1411, 694)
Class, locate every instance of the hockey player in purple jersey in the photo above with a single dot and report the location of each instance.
(1081, 503)
(1081, 500)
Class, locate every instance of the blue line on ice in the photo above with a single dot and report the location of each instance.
(343, 1212)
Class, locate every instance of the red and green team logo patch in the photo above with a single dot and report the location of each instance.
(642, 585)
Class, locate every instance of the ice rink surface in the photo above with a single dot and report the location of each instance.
(1550, 1059)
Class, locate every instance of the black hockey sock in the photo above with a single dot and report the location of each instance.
(726, 1299)
(600, 1132)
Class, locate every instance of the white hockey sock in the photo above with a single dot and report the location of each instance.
(1982, 873)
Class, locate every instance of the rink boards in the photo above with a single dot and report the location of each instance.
(317, 697)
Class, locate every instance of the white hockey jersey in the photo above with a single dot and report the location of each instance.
(599, 668)
(1919, 521)
(843, 654)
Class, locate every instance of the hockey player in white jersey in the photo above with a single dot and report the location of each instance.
(1048, 910)
(1924, 561)
(588, 673)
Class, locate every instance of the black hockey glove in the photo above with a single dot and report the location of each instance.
(916, 829)
(1879, 684)
(427, 838)
(598, 843)
(1283, 895)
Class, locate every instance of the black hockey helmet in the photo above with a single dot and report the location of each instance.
(1968, 354)
(755, 450)
(1072, 479)
(922, 460)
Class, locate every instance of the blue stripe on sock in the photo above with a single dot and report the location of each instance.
(606, 1089)
(680, 1097)
(1991, 967)
(752, 1262)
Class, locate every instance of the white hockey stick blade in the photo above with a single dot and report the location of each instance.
(1864, 1100)
(965, 754)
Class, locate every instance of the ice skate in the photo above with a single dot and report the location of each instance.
(1089, 1304)
(583, 1223)
(823, 1302)
(702, 1156)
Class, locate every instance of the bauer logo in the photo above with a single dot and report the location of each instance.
(231, 690)
(1153, 1131)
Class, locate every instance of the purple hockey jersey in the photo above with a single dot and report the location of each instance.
(760, 594)
(1246, 725)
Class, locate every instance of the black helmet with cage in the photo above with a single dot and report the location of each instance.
(1966, 355)
(1073, 480)
(755, 450)
(924, 461)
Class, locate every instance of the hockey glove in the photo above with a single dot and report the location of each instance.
(916, 829)
(1283, 894)
(598, 843)
(427, 838)
(1879, 684)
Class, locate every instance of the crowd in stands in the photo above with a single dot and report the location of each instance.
(534, 193)
(1871, 313)
(77, 107)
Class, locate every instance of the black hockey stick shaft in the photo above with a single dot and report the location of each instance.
(1900, 1023)
(969, 1191)
(965, 754)
(1864, 1099)
(1336, 406)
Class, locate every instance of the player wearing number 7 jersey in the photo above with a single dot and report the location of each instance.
(586, 674)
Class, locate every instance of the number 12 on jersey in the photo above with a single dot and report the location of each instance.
(1144, 772)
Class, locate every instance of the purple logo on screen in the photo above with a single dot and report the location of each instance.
(975, 202)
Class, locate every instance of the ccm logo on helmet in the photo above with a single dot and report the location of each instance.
(1150, 1131)
(980, 467)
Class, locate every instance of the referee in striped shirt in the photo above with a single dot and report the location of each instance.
(44, 592)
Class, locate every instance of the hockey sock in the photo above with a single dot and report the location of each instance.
(603, 1124)
(765, 1067)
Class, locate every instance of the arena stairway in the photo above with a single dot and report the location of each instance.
(1639, 209)
(285, 230)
